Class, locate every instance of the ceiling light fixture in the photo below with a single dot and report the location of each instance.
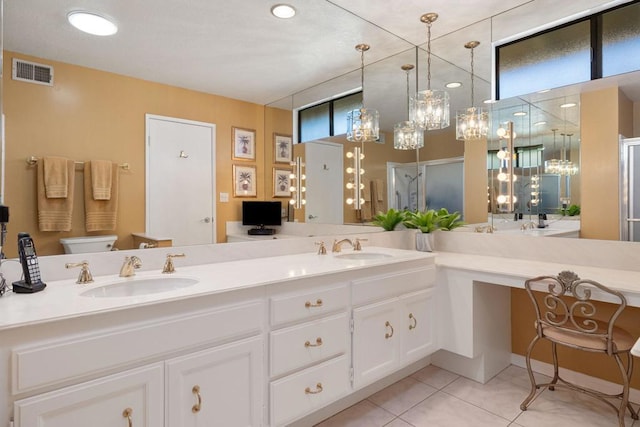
(406, 135)
(363, 124)
(430, 108)
(283, 11)
(472, 123)
(519, 113)
(568, 105)
(92, 23)
(453, 85)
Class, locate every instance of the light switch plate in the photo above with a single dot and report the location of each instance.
(224, 197)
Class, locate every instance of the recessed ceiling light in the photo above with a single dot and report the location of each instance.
(453, 85)
(540, 123)
(544, 90)
(519, 113)
(92, 23)
(568, 105)
(489, 101)
(283, 11)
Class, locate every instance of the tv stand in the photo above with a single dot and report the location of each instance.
(261, 231)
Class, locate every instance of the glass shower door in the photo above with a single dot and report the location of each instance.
(630, 189)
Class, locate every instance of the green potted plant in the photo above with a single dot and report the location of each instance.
(427, 222)
(389, 220)
(448, 221)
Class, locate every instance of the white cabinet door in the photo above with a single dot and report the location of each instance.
(222, 386)
(376, 345)
(418, 329)
(131, 398)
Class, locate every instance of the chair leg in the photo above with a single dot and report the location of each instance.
(554, 352)
(634, 413)
(625, 390)
(534, 386)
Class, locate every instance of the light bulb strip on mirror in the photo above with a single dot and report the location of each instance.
(506, 200)
(355, 184)
(297, 187)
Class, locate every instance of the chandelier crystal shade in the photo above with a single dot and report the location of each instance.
(406, 135)
(363, 123)
(472, 123)
(430, 108)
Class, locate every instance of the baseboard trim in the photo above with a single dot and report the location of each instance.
(577, 378)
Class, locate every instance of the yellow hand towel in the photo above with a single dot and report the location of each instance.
(101, 179)
(55, 177)
(55, 214)
(379, 190)
(100, 214)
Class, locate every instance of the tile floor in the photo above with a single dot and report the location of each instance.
(434, 397)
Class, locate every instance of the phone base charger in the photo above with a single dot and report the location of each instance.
(22, 287)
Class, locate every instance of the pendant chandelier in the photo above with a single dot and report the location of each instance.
(363, 124)
(566, 167)
(430, 108)
(553, 165)
(472, 123)
(406, 135)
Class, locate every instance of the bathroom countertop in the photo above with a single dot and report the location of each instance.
(62, 299)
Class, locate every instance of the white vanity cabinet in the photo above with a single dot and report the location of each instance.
(221, 386)
(397, 328)
(309, 347)
(133, 398)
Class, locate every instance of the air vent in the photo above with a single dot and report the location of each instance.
(31, 72)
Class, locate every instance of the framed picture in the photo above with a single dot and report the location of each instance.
(244, 181)
(244, 144)
(281, 182)
(283, 148)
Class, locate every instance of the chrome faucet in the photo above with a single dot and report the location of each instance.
(85, 275)
(130, 264)
(337, 244)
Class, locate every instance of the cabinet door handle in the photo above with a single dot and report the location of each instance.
(309, 304)
(316, 391)
(388, 334)
(415, 321)
(317, 344)
(127, 414)
(196, 408)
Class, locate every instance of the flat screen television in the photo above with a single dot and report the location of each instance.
(261, 213)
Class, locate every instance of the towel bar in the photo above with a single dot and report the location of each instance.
(33, 160)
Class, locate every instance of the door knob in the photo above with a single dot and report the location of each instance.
(207, 219)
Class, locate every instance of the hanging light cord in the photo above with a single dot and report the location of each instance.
(428, 55)
(472, 94)
(408, 102)
(362, 74)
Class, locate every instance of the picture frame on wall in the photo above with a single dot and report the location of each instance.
(281, 182)
(283, 146)
(244, 181)
(244, 144)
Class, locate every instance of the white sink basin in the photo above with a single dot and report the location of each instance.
(363, 255)
(137, 287)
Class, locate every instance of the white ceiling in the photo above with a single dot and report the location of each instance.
(239, 50)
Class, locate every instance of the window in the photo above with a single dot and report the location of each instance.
(621, 40)
(328, 118)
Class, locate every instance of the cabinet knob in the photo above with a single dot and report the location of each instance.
(388, 334)
(196, 408)
(317, 344)
(309, 304)
(127, 414)
(316, 391)
(414, 320)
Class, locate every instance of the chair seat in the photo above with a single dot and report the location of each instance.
(622, 340)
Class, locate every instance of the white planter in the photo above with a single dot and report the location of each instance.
(424, 242)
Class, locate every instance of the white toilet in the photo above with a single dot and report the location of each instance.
(78, 245)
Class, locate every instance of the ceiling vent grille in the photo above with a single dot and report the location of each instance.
(32, 72)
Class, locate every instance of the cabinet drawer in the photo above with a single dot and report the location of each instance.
(302, 393)
(99, 403)
(302, 345)
(308, 303)
(377, 288)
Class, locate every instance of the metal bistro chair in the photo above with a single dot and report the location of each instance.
(572, 322)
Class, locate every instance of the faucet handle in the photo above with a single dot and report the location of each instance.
(357, 246)
(85, 275)
(168, 265)
(322, 250)
(335, 247)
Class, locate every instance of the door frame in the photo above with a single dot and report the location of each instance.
(147, 120)
(626, 190)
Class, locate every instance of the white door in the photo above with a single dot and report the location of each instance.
(418, 324)
(221, 386)
(180, 185)
(324, 171)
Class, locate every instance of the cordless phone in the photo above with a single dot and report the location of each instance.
(30, 268)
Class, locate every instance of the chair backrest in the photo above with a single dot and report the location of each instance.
(565, 302)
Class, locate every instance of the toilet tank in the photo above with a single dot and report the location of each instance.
(78, 245)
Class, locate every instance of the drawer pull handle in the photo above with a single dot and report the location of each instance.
(196, 408)
(317, 344)
(316, 391)
(309, 304)
(415, 321)
(388, 325)
(127, 414)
